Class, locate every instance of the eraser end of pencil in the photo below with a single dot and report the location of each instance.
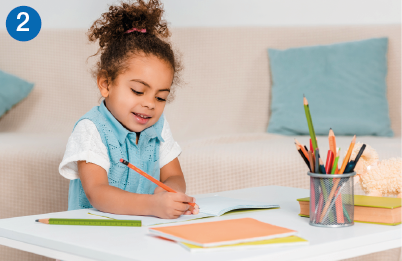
(123, 161)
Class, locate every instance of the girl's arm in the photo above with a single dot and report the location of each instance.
(172, 175)
(114, 200)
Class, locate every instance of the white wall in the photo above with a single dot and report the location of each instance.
(183, 13)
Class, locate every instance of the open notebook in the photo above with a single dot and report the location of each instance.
(209, 207)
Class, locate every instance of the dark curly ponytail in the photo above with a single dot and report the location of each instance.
(116, 46)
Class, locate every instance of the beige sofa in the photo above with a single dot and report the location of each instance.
(219, 117)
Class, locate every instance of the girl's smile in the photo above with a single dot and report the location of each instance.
(141, 118)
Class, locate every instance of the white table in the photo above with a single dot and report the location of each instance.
(134, 243)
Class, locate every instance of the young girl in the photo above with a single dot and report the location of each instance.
(135, 73)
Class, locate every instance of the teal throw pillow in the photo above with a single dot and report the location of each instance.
(12, 91)
(344, 84)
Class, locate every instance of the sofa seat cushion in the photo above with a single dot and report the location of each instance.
(29, 179)
(260, 159)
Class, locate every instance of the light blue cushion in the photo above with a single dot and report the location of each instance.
(344, 84)
(12, 91)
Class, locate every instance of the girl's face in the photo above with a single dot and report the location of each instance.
(138, 96)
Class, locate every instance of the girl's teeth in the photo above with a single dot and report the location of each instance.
(142, 116)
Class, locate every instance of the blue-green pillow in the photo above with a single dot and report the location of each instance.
(344, 84)
(12, 91)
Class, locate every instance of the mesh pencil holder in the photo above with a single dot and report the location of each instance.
(331, 200)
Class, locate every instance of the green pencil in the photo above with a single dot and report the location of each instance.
(335, 162)
(310, 123)
(90, 222)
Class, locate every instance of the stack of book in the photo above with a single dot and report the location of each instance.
(377, 210)
(230, 234)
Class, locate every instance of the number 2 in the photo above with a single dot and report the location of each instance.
(19, 28)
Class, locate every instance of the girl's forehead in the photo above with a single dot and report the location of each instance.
(149, 68)
(151, 61)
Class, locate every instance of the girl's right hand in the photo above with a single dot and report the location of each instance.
(171, 205)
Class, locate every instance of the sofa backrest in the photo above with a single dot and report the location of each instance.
(226, 71)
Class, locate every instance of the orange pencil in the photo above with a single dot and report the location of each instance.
(336, 182)
(332, 143)
(347, 157)
(302, 149)
(157, 182)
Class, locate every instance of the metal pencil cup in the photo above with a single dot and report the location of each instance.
(331, 200)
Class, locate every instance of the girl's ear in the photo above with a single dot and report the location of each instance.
(103, 84)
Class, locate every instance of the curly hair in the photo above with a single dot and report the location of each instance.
(116, 46)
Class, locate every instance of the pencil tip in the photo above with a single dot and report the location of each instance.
(37, 220)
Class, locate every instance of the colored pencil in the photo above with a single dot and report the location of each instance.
(311, 146)
(358, 157)
(310, 156)
(302, 155)
(332, 142)
(319, 207)
(90, 222)
(317, 162)
(157, 182)
(312, 189)
(322, 168)
(302, 149)
(330, 160)
(335, 165)
(349, 167)
(310, 123)
(347, 157)
(336, 182)
(360, 153)
(312, 193)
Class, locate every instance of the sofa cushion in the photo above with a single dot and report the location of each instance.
(30, 182)
(344, 84)
(12, 91)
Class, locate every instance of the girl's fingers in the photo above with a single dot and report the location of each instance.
(188, 212)
(195, 210)
(181, 197)
(181, 207)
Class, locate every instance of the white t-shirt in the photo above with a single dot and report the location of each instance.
(85, 143)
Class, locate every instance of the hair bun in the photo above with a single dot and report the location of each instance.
(113, 24)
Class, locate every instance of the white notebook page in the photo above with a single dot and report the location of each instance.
(210, 206)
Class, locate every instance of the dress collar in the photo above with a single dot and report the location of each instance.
(121, 132)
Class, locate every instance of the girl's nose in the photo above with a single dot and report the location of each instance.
(148, 101)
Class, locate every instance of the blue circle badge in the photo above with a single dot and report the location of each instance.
(23, 23)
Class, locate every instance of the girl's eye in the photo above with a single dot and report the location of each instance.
(138, 93)
(160, 99)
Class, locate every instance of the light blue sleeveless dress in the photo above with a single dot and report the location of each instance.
(120, 143)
